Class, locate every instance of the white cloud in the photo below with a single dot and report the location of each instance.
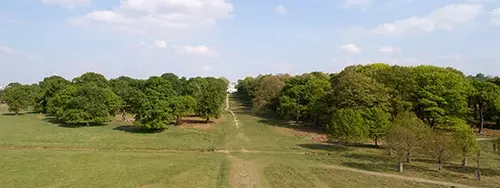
(6, 50)
(68, 3)
(351, 48)
(167, 18)
(387, 49)
(160, 44)
(495, 17)
(199, 50)
(206, 68)
(362, 4)
(445, 18)
(280, 9)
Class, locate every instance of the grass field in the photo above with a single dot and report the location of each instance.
(37, 152)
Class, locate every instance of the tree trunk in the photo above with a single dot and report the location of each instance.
(376, 142)
(124, 115)
(17, 113)
(208, 120)
(408, 157)
(439, 165)
(87, 123)
(400, 169)
(390, 152)
(179, 120)
(481, 118)
(478, 169)
(495, 147)
(464, 160)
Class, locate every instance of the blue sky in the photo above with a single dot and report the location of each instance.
(239, 38)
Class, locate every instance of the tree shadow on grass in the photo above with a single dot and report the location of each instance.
(134, 129)
(324, 147)
(472, 170)
(13, 114)
(375, 167)
(66, 125)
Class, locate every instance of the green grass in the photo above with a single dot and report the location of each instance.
(27, 168)
(32, 130)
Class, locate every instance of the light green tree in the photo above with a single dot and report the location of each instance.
(378, 123)
(465, 139)
(347, 125)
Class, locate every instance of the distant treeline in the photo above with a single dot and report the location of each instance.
(92, 99)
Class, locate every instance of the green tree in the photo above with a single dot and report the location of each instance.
(485, 95)
(378, 123)
(18, 97)
(355, 90)
(439, 93)
(347, 125)
(92, 78)
(49, 87)
(182, 106)
(465, 139)
(84, 104)
(267, 90)
(153, 110)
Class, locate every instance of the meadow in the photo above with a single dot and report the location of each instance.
(254, 151)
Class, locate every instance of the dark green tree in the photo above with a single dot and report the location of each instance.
(153, 110)
(92, 78)
(84, 104)
(182, 106)
(18, 97)
(49, 87)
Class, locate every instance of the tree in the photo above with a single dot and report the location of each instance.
(439, 93)
(440, 147)
(153, 110)
(18, 97)
(347, 125)
(299, 95)
(84, 104)
(405, 136)
(378, 123)
(355, 90)
(485, 95)
(267, 90)
(49, 87)
(182, 106)
(92, 78)
(210, 98)
(465, 140)
(128, 89)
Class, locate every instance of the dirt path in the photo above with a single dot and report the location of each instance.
(232, 113)
(243, 174)
(409, 178)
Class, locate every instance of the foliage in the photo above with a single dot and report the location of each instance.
(299, 95)
(267, 90)
(49, 87)
(84, 104)
(18, 97)
(128, 89)
(355, 90)
(182, 106)
(485, 97)
(378, 123)
(347, 125)
(92, 78)
(153, 110)
(465, 140)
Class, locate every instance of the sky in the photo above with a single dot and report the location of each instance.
(239, 38)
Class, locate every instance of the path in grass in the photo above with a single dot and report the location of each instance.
(421, 180)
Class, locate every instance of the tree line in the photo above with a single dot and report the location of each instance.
(90, 99)
(407, 106)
